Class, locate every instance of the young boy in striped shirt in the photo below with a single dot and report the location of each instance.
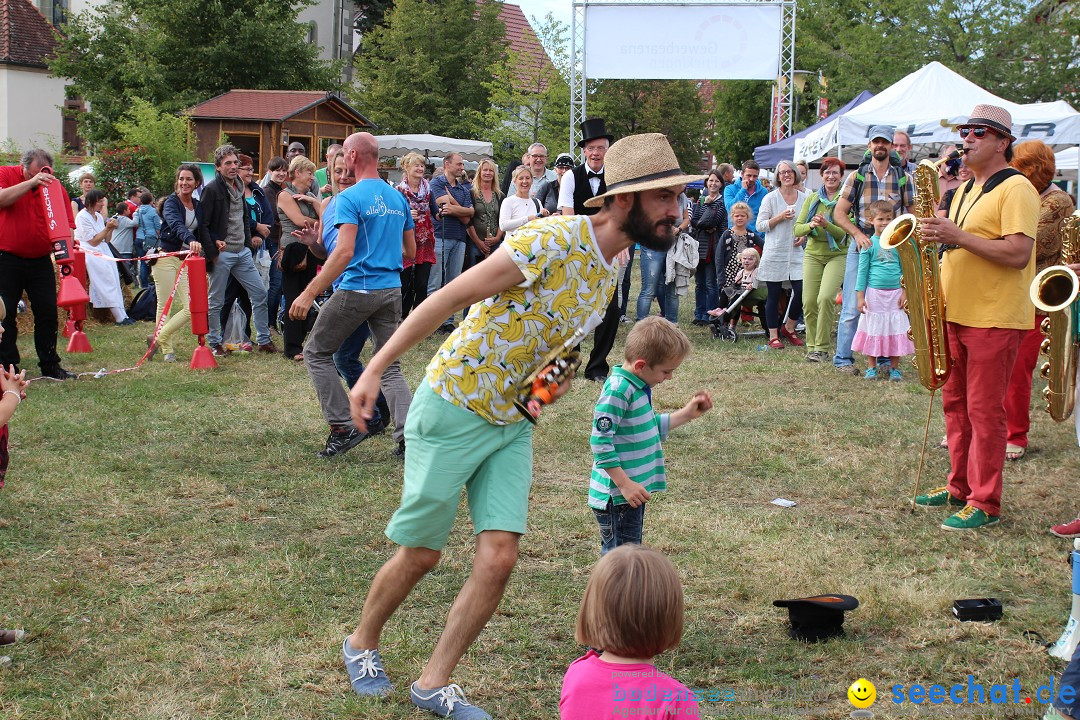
(628, 462)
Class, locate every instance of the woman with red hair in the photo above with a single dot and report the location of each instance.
(824, 260)
(1035, 160)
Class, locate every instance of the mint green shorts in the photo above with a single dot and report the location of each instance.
(449, 447)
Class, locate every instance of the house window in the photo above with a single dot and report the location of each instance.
(313, 33)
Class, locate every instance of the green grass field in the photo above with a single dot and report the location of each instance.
(175, 549)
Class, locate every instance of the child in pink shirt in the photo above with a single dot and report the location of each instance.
(633, 610)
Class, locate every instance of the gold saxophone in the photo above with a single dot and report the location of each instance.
(922, 277)
(1054, 291)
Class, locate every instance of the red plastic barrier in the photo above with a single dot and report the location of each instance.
(56, 216)
(199, 307)
(78, 342)
(198, 298)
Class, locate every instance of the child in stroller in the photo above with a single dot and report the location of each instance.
(745, 293)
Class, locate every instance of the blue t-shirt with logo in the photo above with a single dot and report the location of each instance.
(381, 214)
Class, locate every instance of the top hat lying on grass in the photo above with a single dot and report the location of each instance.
(819, 617)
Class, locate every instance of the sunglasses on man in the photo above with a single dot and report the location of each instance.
(978, 132)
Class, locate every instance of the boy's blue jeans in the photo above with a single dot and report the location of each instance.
(619, 525)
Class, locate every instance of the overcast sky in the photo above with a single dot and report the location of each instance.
(561, 9)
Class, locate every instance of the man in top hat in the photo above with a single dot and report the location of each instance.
(986, 274)
(549, 279)
(585, 182)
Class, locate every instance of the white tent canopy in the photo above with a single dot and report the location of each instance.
(928, 104)
(1067, 161)
(432, 145)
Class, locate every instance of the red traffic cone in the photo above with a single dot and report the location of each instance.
(79, 343)
(202, 358)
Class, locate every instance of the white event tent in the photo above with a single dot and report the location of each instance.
(432, 145)
(928, 104)
(1067, 161)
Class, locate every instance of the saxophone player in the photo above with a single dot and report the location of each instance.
(986, 272)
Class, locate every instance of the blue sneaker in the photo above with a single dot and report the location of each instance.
(896, 375)
(871, 374)
(365, 671)
(448, 702)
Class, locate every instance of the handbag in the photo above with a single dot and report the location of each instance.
(126, 276)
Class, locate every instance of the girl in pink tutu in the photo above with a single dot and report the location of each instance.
(883, 324)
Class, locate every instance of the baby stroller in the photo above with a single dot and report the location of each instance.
(740, 301)
(743, 304)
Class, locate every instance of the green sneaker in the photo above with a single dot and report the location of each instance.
(970, 518)
(938, 497)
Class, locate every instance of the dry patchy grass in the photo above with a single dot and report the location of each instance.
(176, 550)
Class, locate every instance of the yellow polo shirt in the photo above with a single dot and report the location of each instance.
(980, 293)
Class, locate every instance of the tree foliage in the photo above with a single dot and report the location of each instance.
(179, 53)
(740, 119)
(1013, 48)
(423, 70)
(529, 101)
(672, 107)
(369, 14)
(168, 139)
(1003, 45)
(121, 168)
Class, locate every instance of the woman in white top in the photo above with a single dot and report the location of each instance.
(519, 208)
(782, 259)
(92, 231)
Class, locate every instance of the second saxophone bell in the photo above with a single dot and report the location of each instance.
(1055, 291)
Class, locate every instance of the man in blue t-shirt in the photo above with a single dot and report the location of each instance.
(375, 228)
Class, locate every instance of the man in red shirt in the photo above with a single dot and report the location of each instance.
(26, 259)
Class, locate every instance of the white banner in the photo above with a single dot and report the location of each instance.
(681, 42)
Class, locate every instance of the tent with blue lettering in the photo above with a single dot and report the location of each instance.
(769, 155)
(928, 104)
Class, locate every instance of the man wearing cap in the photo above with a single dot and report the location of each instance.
(551, 278)
(577, 187)
(875, 180)
(986, 275)
(547, 191)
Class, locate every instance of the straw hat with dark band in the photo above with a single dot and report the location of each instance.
(640, 162)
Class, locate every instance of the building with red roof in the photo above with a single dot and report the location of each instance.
(31, 100)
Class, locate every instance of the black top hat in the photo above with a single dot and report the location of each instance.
(593, 129)
(818, 617)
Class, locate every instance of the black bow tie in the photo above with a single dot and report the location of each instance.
(591, 174)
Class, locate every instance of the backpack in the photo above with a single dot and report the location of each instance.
(144, 305)
(860, 180)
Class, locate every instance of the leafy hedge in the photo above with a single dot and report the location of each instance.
(119, 169)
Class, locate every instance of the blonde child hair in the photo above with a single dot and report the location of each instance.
(656, 340)
(641, 626)
(752, 252)
(745, 208)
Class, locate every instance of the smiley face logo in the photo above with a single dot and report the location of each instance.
(862, 693)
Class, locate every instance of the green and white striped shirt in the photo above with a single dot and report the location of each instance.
(626, 433)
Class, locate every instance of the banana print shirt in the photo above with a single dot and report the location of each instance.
(567, 285)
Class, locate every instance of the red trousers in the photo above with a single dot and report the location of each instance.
(974, 404)
(1018, 396)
